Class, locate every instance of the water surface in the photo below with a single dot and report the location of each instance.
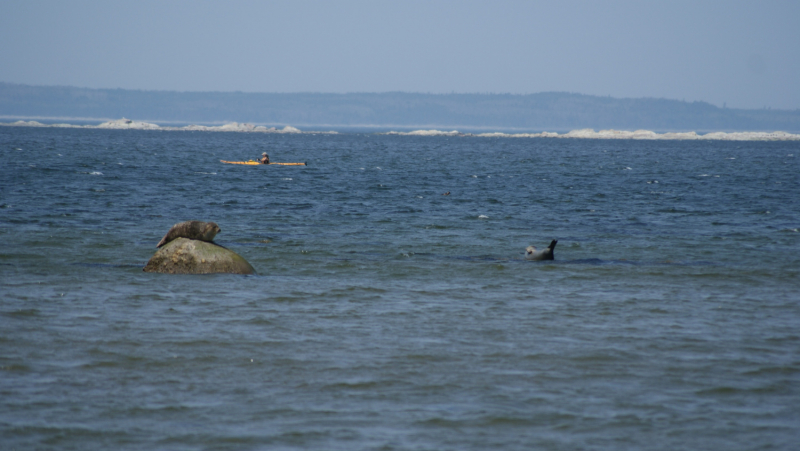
(386, 315)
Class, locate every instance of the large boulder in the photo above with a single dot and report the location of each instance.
(185, 256)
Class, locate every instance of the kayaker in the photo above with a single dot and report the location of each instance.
(264, 158)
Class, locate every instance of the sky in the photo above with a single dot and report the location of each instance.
(739, 54)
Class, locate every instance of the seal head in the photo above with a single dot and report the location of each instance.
(194, 230)
(545, 254)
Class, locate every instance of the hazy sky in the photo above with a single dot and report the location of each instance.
(743, 53)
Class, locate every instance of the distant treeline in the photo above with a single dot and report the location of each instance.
(550, 111)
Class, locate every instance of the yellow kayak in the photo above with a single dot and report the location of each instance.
(251, 162)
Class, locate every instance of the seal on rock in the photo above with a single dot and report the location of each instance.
(194, 230)
(545, 254)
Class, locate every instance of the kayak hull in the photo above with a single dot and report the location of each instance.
(256, 163)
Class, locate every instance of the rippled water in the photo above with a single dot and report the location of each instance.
(387, 316)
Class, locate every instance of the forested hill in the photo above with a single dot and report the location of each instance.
(550, 111)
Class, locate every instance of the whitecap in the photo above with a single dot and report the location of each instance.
(483, 217)
(96, 173)
(287, 178)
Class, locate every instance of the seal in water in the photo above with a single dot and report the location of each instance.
(545, 254)
(194, 230)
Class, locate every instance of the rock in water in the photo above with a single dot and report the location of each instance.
(186, 256)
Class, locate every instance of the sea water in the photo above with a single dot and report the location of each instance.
(387, 315)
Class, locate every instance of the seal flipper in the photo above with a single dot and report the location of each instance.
(548, 253)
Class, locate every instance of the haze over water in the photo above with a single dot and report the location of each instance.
(386, 315)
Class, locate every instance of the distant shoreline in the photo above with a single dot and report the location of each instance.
(587, 133)
(558, 112)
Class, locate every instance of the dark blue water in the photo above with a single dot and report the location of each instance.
(387, 316)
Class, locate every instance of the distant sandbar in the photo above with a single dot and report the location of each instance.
(586, 133)
(128, 124)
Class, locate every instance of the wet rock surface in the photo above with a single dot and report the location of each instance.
(186, 256)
